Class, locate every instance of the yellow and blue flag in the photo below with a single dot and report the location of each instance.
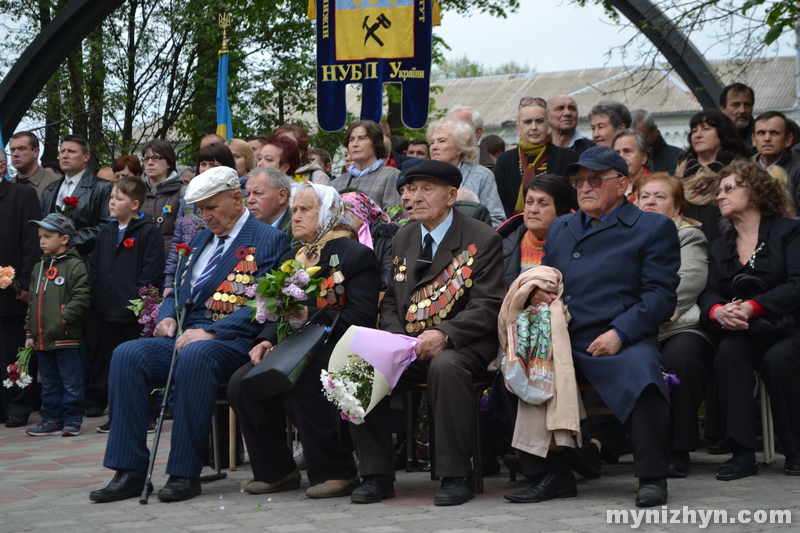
(224, 124)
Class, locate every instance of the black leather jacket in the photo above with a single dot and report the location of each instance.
(92, 213)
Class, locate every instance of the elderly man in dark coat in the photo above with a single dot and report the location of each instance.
(620, 268)
(446, 289)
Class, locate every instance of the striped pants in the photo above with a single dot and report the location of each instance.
(138, 367)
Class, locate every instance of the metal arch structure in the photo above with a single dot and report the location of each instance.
(45, 54)
(78, 18)
(684, 57)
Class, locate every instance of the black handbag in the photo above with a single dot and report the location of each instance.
(768, 328)
(279, 371)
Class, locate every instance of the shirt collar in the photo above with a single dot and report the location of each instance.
(278, 220)
(586, 219)
(237, 227)
(575, 136)
(439, 231)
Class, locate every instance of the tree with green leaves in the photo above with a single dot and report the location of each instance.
(150, 69)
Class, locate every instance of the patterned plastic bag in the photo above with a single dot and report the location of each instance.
(528, 362)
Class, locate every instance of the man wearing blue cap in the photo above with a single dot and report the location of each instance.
(620, 268)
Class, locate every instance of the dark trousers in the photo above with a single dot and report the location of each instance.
(108, 336)
(647, 424)
(16, 401)
(140, 366)
(779, 363)
(449, 377)
(691, 357)
(263, 425)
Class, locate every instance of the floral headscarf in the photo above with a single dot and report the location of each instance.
(334, 221)
(368, 211)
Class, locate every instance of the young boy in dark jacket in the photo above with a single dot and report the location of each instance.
(59, 296)
(129, 255)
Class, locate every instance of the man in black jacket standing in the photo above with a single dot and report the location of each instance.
(665, 156)
(20, 250)
(89, 217)
(92, 193)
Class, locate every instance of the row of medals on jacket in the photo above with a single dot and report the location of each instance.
(230, 294)
(432, 303)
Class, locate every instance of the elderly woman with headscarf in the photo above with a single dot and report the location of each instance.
(453, 141)
(321, 222)
(535, 156)
(375, 230)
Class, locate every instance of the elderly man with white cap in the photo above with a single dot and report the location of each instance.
(210, 284)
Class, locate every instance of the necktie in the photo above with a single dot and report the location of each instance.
(425, 258)
(210, 266)
(64, 192)
(594, 222)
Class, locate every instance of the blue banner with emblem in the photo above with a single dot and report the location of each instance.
(371, 42)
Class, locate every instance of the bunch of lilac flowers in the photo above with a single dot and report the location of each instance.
(146, 308)
(281, 292)
(670, 379)
(190, 224)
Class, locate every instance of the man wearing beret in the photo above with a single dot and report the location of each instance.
(216, 338)
(446, 289)
(620, 271)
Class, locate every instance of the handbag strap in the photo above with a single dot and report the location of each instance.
(318, 313)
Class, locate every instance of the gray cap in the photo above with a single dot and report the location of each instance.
(56, 222)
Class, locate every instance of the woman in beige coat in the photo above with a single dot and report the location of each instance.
(686, 349)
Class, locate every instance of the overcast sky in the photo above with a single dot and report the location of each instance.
(554, 36)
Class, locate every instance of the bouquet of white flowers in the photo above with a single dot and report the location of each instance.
(364, 367)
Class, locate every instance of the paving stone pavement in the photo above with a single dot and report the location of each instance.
(45, 481)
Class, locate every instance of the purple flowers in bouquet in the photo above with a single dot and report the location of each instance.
(190, 224)
(670, 379)
(146, 308)
(281, 292)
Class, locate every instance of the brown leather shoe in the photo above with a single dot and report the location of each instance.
(329, 490)
(289, 482)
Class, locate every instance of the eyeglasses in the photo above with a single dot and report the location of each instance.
(728, 187)
(593, 181)
(530, 100)
(155, 158)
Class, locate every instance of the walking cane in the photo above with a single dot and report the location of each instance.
(157, 436)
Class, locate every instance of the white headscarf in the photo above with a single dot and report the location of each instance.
(334, 220)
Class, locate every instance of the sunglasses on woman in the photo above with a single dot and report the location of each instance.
(728, 187)
(530, 100)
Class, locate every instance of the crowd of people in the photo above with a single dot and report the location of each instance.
(669, 262)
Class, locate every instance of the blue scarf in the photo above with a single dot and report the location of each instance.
(359, 173)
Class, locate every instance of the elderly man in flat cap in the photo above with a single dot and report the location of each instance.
(620, 270)
(216, 338)
(445, 289)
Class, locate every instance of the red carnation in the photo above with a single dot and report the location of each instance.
(71, 202)
(182, 249)
(127, 243)
(240, 253)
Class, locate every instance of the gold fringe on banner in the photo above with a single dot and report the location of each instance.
(437, 17)
(312, 9)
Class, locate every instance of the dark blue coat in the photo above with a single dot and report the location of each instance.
(622, 274)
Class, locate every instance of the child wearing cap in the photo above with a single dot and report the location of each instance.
(59, 296)
(129, 255)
